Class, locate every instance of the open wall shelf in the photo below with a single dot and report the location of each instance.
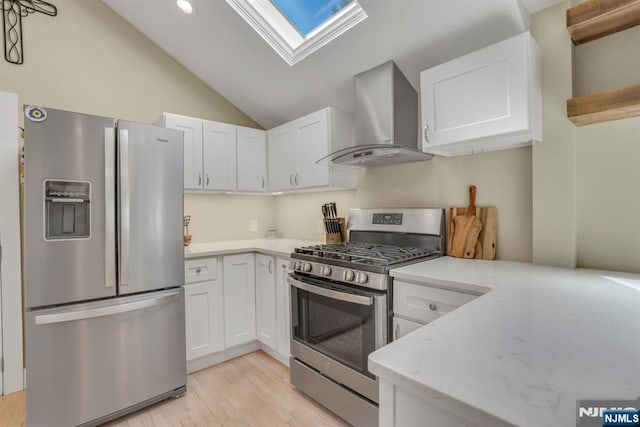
(605, 106)
(598, 18)
(589, 21)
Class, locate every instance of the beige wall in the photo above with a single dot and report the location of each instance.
(608, 195)
(503, 179)
(607, 63)
(567, 201)
(88, 59)
(608, 158)
(554, 229)
(226, 217)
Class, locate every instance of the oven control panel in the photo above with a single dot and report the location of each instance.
(387, 218)
(340, 274)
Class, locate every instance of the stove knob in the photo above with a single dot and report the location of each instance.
(306, 267)
(362, 278)
(297, 265)
(348, 275)
(325, 271)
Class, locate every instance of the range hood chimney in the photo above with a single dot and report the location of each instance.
(386, 121)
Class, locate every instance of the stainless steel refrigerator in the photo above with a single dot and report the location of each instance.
(104, 265)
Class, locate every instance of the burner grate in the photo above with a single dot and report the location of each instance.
(366, 253)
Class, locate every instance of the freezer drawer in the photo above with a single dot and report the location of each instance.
(88, 361)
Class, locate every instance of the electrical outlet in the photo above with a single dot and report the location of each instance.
(253, 224)
(319, 226)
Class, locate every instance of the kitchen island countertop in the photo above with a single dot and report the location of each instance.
(274, 247)
(536, 340)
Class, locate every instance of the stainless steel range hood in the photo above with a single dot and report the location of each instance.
(386, 121)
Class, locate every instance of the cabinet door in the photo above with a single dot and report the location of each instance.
(281, 158)
(219, 156)
(479, 95)
(192, 129)
(266, 300)
(204, 319)
(402, 327)
(312, 144)
(283, 308)
(239, 299)
(252, 159)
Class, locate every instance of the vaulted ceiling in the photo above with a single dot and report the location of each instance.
(219, 47)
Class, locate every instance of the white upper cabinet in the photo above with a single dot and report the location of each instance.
(312, 144)
(252, 160)
(192, 129)
(209, 152)
(484, 101)
(219, 156)
(294, 148)
(224, 157)
(282, 157)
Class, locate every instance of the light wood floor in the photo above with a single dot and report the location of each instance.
(252, 390)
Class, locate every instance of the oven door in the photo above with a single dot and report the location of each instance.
(340, 322)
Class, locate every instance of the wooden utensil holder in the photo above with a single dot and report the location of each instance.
(336, 237)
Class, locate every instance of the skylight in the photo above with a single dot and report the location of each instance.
(308, 15)
(294, 28)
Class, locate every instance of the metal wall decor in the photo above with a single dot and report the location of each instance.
(12, 13)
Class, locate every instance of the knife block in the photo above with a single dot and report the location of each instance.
(337, 237)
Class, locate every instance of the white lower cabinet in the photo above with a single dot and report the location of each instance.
(204, 307)
(204, 319)
(231, 303)
(283, 308)
(273, 307)
(266, 300)
(239, 299)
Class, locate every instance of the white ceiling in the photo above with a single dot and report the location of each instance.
(219, 47)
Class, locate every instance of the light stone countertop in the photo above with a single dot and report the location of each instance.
(275, 247)
(539, 339)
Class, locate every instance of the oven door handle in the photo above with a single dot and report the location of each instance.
(330, 293)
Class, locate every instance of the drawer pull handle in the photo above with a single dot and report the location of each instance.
(198, 270)
(433, 307)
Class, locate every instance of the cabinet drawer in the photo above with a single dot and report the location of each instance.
(200, 270)
(424, 303)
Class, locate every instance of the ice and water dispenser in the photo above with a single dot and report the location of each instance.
(67, 210)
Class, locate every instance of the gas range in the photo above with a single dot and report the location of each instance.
(341, 299)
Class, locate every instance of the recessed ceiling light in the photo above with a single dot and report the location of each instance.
(184, 6)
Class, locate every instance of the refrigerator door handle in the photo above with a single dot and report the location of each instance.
(124, 207)
(91, 313)
(109, 207)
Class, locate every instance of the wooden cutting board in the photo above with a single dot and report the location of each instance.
(487, 239)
